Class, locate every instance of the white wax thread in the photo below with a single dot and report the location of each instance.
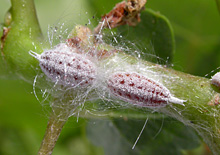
(140, 134)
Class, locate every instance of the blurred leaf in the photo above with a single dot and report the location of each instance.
(5, 4)
(103, 133)
(102, 7)
(167, 134)
(196, 34)
(218, 5)
(152, 36)
(159, 136)
(23, 121)
(18, 107)
(64, 14)
(17, 141)
(73, 140)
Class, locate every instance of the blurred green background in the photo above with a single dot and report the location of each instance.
(23, 119)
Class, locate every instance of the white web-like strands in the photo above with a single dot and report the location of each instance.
(89, 92)
(135, 143)
(84, 76)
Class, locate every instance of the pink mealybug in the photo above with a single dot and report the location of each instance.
(216, 80)
(140, 90)
(65, 67)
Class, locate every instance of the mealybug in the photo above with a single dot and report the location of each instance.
(65, 67)
(216, 80)
(140, 90)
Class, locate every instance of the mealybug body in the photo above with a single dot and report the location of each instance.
(216, 80)
(65, 67)
(140, 90)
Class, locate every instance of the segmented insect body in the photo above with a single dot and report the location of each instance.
(216, 80)
(140, 90)
(65, 67)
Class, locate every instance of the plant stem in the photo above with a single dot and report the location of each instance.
(62, 108)
(54, 128)
(201, 109)
(24, 13)
(24, 35)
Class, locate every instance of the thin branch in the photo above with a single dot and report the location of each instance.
(201, 111)
(52, 134)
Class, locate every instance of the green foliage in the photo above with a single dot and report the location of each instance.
(196, 34)
(153, 35)
(160, 136)
(218, 5)
(197, 38)
(23, 122)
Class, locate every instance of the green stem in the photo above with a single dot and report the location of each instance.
(201, 111)
(54, 128)
(61, 110)
(24, 13)
(24, 35)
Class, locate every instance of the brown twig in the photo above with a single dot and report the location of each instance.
(123, 13)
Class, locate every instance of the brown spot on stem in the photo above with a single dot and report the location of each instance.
(3, 38)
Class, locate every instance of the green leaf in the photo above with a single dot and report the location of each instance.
(153, 36)
(103, 133)
(17, 141)
(102, 7)
(118, 136)
(196, 34)
(218, 5)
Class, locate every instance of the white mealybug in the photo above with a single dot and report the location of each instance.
(66, 67)
(216, 80)
(140, 90)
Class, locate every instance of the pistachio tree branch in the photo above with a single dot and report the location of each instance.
(23, 34)
(24, 13)
(54, 128)
(200, 111)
